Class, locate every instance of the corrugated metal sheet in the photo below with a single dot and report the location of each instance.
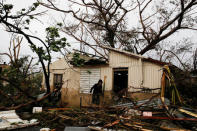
(120, 60)
(141, 73)
(88, 77)
(134, 78)
(152, 75)
(134, 68)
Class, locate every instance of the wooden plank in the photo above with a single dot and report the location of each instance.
(188, 112)
(168, 118)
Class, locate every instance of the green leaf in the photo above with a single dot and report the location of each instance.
(8, 6)
(31, 17)
(59, 24)
(27, 21)
(63, 39)
(36, 4)
(33, 8)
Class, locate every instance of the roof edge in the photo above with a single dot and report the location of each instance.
(124, 52)
(136, 56)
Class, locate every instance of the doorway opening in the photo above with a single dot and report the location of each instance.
(120, 82)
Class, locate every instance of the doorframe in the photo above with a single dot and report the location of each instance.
(119, 69)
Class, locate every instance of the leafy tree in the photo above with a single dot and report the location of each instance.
(19, 82)
(18, 23)
(16, 73)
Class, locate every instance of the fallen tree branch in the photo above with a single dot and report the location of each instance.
(29, 103)
(7, 96)
(18, 88)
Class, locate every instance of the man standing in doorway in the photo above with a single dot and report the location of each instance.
(97, 91)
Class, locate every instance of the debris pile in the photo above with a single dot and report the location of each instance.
(119, 117)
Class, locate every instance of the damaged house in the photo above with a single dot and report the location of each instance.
(139, 77)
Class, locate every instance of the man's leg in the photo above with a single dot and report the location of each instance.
(93, 98)
(97, 99)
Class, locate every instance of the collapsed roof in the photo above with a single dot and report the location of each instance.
(91, 59)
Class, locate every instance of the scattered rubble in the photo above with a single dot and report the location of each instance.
(151, 115)
(119, 118)
(10, 120)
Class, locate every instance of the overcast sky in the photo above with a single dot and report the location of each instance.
(38, 29)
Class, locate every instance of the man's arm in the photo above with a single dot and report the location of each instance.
(92, 88)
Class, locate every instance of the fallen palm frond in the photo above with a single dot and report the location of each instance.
(175, 96)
